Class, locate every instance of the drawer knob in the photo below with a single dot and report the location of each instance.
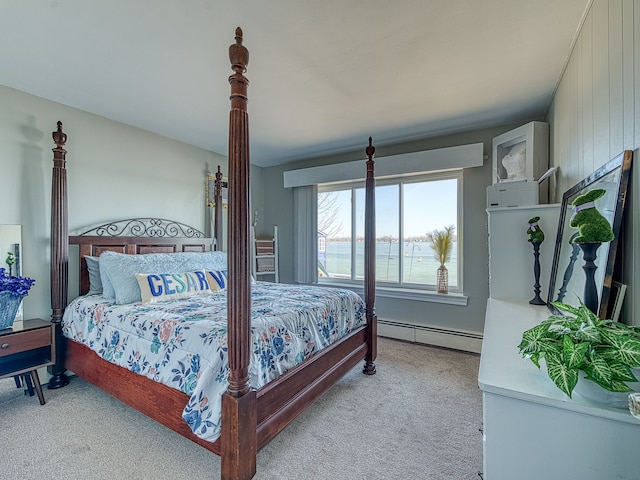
(5, 345)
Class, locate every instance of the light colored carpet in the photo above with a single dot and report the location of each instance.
(417, 418)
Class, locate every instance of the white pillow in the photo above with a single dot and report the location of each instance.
(156, 287)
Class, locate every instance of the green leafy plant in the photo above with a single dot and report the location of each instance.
(442, 243)
(580, 341)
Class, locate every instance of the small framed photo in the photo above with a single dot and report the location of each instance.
(618, 291)
(211, 191)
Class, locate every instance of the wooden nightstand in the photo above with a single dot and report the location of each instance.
(27, 346)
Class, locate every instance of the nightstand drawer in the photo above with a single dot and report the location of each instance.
(24, 341)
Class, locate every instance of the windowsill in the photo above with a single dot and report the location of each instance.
(407, 294)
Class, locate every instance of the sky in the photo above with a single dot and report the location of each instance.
(428, 206)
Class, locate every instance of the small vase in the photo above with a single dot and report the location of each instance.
(9, 304)
(593, 391)
(443, 279)
(589, 251)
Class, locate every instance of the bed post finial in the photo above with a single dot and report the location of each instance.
(238, 54)
(59, 137)
(218, 190)
(370, 261)
(370, 150)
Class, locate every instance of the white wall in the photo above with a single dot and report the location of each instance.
(595, 115)
(114, 172)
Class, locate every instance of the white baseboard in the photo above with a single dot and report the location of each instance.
(441, 337)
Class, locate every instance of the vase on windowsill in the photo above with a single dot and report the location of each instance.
(443, 279)
(442, 245)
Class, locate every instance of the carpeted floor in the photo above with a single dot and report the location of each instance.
(417, 418)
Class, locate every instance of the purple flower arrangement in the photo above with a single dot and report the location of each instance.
(17, 286)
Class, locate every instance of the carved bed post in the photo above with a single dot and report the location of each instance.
(217, 214)
(59, 252)
(370, 262)
(239, 415)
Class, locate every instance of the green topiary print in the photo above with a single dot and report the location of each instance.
(592, 226)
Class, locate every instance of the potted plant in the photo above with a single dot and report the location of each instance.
(442, 245)
(12, 290)
(581, 344)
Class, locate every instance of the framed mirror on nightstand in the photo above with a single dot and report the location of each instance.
(11, 253)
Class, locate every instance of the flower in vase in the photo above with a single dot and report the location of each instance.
(17, 286)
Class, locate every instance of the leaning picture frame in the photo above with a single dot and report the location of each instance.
(568, 280)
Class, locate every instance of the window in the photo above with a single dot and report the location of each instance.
(408, 209)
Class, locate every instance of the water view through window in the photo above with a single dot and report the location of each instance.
(406, 213)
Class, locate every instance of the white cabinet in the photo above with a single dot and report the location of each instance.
(531, 429)
(511, 257)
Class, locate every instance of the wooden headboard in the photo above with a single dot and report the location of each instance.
(160, 236)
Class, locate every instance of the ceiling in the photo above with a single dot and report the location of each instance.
(324, 74)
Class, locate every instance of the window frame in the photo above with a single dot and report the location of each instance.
(401, 180)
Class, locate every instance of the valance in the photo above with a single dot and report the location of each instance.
(449, 158)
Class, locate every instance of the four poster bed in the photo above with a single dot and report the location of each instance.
(260, 379)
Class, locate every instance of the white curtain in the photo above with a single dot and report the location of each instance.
(305, 234)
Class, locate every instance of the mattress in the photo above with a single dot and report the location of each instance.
(182, 343)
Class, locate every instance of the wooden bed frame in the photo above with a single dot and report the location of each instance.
(250, 418)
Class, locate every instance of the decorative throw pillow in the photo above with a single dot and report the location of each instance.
(95, 283)
(217, 280)
(155, 287)
(121, 269)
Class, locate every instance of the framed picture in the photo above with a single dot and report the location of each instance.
(568, 282)
(211, 191)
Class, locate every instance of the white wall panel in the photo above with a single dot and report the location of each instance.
(587, 95)
(595, 115)
(616, 100)
(628, 66)
(600, 83)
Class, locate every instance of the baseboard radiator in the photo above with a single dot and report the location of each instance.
(441, 337)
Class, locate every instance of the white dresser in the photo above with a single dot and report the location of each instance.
(533, 431)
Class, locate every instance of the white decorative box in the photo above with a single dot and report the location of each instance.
(522, 154)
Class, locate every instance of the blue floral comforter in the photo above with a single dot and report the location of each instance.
(183, 343)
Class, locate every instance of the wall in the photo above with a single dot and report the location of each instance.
(114, 172)
(595, 115)
(469, 318)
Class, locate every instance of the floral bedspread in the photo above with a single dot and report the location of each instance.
(183, 343)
